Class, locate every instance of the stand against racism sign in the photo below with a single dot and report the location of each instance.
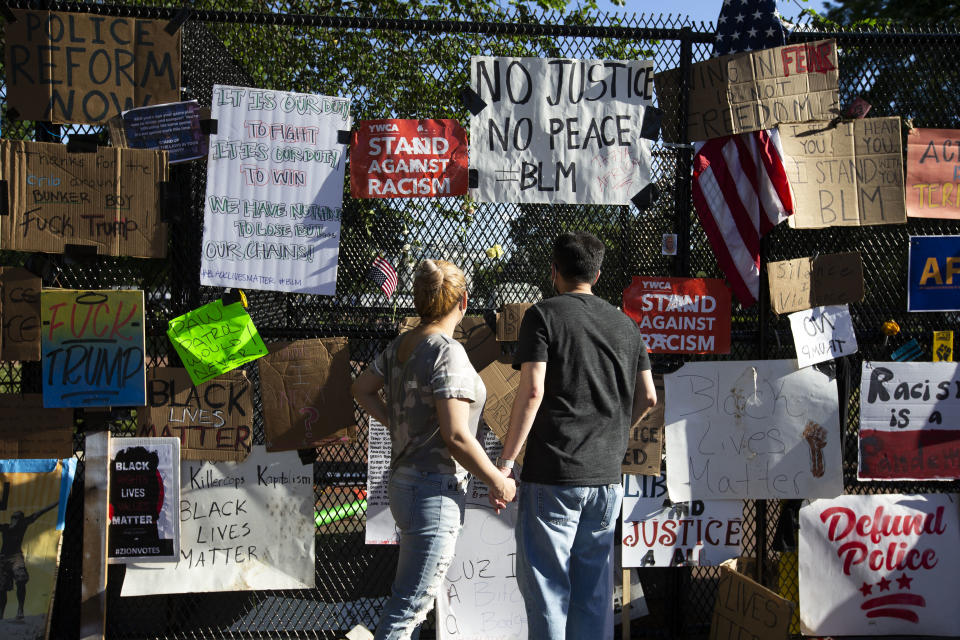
(271, 217)
(934, 273)
(933, 182)
(680, 315)
(408, 159)
(554, 130)
(87, 68)
(756, 430)
(909, 421)
(879, 565)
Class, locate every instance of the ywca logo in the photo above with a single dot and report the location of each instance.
(896, 603)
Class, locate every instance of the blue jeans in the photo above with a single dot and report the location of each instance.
(428, 509)
(565, 559)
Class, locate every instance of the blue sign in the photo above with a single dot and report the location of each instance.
(934, 279)
(174, 128)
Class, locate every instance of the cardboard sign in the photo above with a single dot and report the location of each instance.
(822, 334)
(408, 159)
(214, 339)
(501, 380)
(881, 564)
(845, 175)
(20, 316)
(92, 345)
(86, 68)
(804, 283)
(27, 430)
(109, 200)
(746, 609)
(508, 321)
(274, 191)
(144, 503)
(658, 533)
(933, 184)
(752, 91)
(943, 346)
(933, 263)
(555, 130)
(680, 315)
(752, 430)
(244, 526)
(174, 128)
(474, 334)
(645, 442)
(213, 421)
(305, 387)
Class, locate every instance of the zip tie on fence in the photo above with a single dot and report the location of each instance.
(677, 145)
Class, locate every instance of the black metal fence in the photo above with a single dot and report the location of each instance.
(396, 64)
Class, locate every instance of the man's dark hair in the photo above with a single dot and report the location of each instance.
(578, 256)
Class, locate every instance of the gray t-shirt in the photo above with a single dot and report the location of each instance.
(438, 367)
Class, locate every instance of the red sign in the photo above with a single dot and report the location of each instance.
(680, 315)
(408, 159)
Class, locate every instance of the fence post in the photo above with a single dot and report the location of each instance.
(682, 181)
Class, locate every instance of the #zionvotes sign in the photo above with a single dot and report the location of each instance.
(555, 130)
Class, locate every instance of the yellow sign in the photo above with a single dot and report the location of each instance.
(943, 346)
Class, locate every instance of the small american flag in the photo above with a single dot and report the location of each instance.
(383, 273)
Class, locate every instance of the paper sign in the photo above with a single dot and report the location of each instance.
(86, 68)
(933, 183)
(746, 609)
(27, 430)
(20, 315)
(943, 346)
(843, 175)
(934, 261)
(244, 526)
(274, 191)
(474, 334)
(92, 344)
(680, 315)
(381, 527)
(305, 387)
(109, 200)
(752, 91)
(555, 130)
(658, 533)
(501, 381)
(752, 430)
(645, 442)
(408, 159)
(804, 283)
(508, 321)
(822, 333)
(214, 339)
(879, 565)
(213, 421)
(174, 128)
(144, 503)
(909, 421)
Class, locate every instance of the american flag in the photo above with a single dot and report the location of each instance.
(740, 187)
(383, 273)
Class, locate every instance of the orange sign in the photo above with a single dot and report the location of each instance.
(933, 173)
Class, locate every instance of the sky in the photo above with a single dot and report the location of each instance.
(701, 10)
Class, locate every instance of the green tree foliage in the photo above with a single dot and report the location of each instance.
(848, 12)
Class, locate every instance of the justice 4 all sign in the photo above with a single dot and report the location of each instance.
(680, 315)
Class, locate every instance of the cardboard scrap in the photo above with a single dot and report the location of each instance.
(805, 283)
(501, 380)
(645, 444)
(109, 200)
(27, 430)
(843, 174)
(19, 314)
(752, 91)
(508, 321)
(474, 334)
(746, 609)
(305, 387)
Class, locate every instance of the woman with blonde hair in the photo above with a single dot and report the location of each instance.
(434, 399)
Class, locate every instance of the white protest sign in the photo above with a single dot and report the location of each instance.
(243, 526)
(694, 533)
(274, 191)
(381, 527)
(880, 565)
(555, 130)
(822, 333)
(752, 430)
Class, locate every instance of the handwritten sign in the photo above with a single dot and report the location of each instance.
(846, 175)
(173, 127)
(752, 91)
(933, 177)
(212, 421)
(658, 533)
(27, 430)
(109, 200)
(746, 609)
(274, 191)
(933, 264)
(476, 336)
(20, 315)
(501, 381)
(752, 430)
(508, 321)
(804, 283)
(881, 564)
(92, 348)
(822, 334)
(243, 526)
(87, 68)
(680, 315)
(645, 442)
(214, 339)
(408, 159)
(555, 130)
(305, 387)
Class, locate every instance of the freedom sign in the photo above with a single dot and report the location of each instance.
(408, 159)
(680, 315)
(933, 266)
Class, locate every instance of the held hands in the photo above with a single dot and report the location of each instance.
(503, 492)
